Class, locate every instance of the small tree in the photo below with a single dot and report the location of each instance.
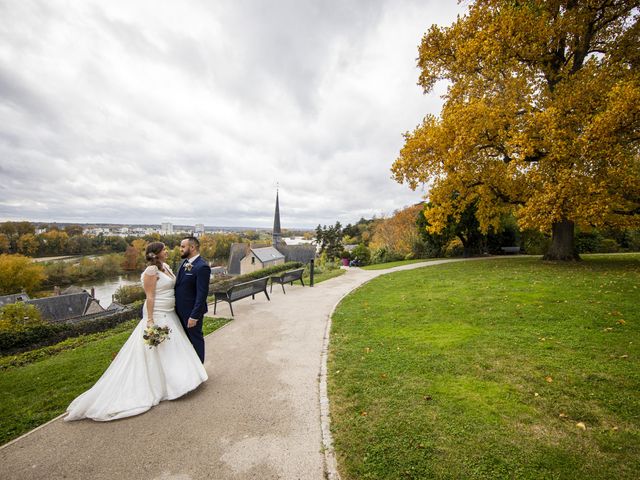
(28, 244)
(330, 240)
(5, 244)
(19, 316)
(19, 273)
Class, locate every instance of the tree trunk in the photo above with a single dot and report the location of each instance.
(562, 245)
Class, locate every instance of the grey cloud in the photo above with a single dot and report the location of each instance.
(130, 113)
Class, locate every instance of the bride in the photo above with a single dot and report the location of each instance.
(140, 377)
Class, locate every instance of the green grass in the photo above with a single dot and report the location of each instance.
(484, 370)
(326, 275)
(41, 389)
(382, 266)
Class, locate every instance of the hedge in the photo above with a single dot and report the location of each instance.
(49, 334)
(265, 272)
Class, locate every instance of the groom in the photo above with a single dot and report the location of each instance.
(192, 288)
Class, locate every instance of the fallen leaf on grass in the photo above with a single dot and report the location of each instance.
(549, 380)
(427, 397)
(624, 356)
(608, 329)
(621, 322)
(536, 394)
(363, 414)
(563, 415)
(581, 426)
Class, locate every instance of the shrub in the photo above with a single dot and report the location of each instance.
(19, 316)
(362, 253)
(608, 245)
(634, 240)
(588, 242)
(384, 255)
(535, 242)
(127, 294)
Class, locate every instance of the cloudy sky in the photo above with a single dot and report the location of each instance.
(139, 111)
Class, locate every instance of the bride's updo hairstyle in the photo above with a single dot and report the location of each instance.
(152, 254)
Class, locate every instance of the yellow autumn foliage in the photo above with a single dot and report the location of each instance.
(540, 118)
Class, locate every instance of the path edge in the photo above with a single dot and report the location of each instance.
(330, 461)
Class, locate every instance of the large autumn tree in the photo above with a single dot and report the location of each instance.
(540, 118)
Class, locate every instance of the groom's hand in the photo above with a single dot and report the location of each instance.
(192, 322)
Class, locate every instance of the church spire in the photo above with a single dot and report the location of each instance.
(277, 233)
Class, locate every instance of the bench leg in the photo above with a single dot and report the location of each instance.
(265, 292)
(215, 305)
(302, 282)
(231, 308)
(271, 288)
(283, 288)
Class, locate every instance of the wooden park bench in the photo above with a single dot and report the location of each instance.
(510, 250)
(287, 277)
(240, 291)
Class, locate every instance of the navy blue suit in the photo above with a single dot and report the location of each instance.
(192, 289)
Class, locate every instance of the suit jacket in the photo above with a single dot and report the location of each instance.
(192, 289)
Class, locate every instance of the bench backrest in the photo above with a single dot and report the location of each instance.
(254, 285)
(292, 275)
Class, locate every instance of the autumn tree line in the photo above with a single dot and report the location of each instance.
(113, 255)
(406, 234)
(20, 237)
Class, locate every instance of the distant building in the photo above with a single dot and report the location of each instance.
(65, 308)
(199, 229)
(13, 298)
(245, 259)
(69, 306)
(277, 232)
(166, 228)
(300, 252)
(259, 258)
(237, 252)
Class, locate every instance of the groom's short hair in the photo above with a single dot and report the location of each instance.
(193, 241)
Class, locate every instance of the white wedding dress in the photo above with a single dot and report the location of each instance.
(141, 377)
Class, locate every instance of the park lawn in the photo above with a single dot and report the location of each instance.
(382, 266)
(489, 369)
(327, 275)
(33, 394)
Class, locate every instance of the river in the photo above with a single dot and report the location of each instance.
(105, 288)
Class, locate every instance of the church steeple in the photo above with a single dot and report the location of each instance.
(277, 233)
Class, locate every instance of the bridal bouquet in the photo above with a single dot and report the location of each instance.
(155, 335)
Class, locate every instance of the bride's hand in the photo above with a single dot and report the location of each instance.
(150, 322)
